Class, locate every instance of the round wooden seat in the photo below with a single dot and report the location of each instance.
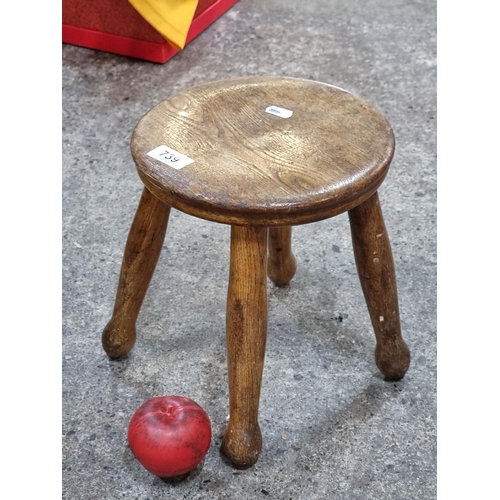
(261, 154)
(256, 167)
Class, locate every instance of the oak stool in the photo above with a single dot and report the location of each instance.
(261, 154)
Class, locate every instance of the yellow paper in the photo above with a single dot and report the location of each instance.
(171, 18)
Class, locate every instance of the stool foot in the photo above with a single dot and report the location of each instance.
(281, 265)
(246, 331)
(141, 254)
(373, 255)
(242, 446)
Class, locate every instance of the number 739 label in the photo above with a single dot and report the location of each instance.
(170, 157)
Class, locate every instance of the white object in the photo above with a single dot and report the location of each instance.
(283, 113)
(170, 157)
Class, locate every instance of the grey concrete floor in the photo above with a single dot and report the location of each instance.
(332, 427)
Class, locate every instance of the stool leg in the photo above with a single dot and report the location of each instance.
(139, 261)
(246, 330)
(281, 265)
(375, 265)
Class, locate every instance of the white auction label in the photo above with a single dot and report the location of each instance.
(283, 113)
(170, 157)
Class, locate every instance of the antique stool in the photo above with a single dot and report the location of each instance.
(261, 154)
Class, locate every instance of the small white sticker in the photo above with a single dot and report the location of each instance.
(170, 157)
(283, 113)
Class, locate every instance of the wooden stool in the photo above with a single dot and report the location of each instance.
(261, 154)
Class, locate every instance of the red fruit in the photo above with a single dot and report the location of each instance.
(169, 435)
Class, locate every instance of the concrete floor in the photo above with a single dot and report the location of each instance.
(332, 427)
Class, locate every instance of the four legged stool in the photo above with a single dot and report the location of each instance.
(261, 154)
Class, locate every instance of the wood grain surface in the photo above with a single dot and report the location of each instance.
(252, 167)
(372, 251)
(246, 332)
(281, 263)
(141, 254)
